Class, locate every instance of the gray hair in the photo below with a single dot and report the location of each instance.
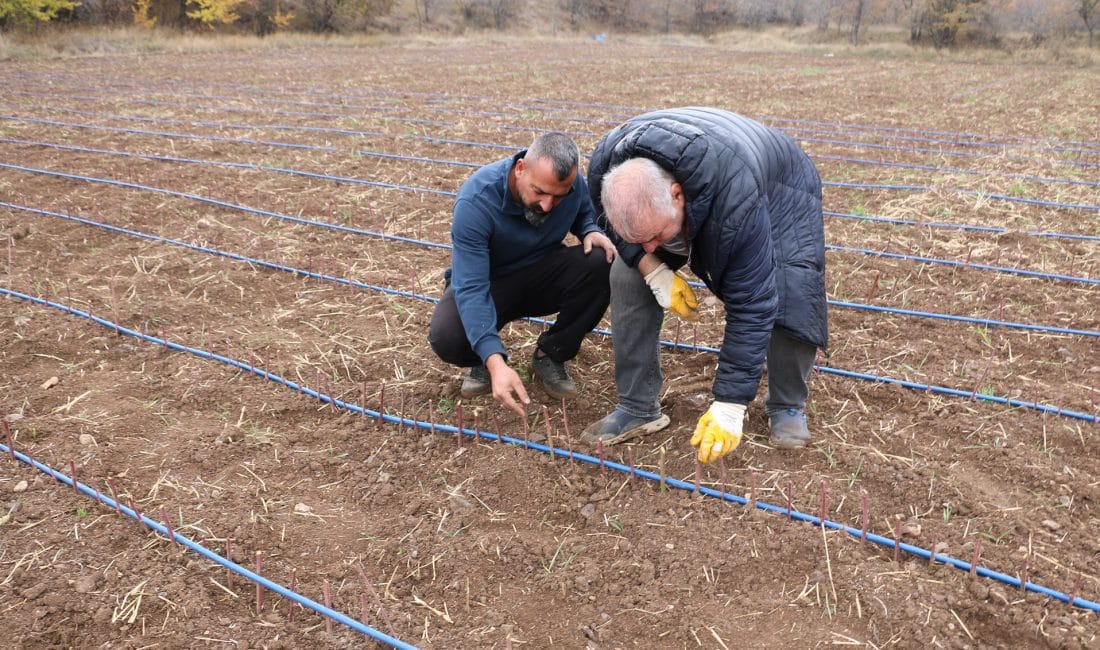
(559, 149)
(635, 188)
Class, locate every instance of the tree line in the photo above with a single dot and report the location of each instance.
(940, 23)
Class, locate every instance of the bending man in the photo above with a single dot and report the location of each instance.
(740, 203)
(509, 262)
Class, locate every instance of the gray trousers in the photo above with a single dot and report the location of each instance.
(636, 327)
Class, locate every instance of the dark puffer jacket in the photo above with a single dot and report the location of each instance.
(753, 216)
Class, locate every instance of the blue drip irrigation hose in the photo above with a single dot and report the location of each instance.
(954, 134)
(874, 219)
(425, 190)
(980, 194)
(986, 322)
(343, 105)
(958, 170)
(552, 451)
(969, 265)
(937, 152)
(1001, 146)
(603, 332)
(228, 205)
(205, 552)
(226, 254)
(233, 206)
(946, 225)
(625, 111)
(419, 242)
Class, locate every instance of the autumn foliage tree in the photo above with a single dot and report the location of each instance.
(214, 12)
(22, 13)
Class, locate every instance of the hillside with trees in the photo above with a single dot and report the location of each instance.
(937, 23)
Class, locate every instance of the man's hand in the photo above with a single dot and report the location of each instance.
(507, 386)
(672, 293)
(719, 430)
(599, 240)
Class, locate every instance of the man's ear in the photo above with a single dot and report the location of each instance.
(521, 164)
(677, 195)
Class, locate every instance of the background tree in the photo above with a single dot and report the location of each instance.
(141, 16)
(214, 12)
(23, 13)
(1086, 9)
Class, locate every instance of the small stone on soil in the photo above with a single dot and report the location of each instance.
(21, 486)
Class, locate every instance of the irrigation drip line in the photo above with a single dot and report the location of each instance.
(230, 255)
(985, 322)
(175, 536)
(977, 193)
(970, 265)
(424, 159)
(602, 332)
(934, 137)
(958, 170)
(500, 438)
(471, 112)
(242, 208)
(1092, 145)
(258, 262)
(1002, 146)
(946, 225)
(230, 206)
(937, 152)
(954, 190)
(622, 110)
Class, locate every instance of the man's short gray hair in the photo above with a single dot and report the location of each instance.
(559, 149)
(634, 188)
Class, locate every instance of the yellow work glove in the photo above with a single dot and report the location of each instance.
(672, 293)
(719, 430)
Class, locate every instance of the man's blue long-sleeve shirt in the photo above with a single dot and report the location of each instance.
(492, 239)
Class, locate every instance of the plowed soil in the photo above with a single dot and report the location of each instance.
(338, 161)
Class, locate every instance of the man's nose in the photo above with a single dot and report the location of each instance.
(650, 246)
(547, 204)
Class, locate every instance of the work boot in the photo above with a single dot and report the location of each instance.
(476, 383)
(789, 429)
(555, 380)
(621, 426)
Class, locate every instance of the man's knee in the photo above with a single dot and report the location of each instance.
(450, 346)
(446, 336)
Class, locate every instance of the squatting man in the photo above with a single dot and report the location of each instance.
(740, 204)
(509, 261)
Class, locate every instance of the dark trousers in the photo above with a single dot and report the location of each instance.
(566, 282)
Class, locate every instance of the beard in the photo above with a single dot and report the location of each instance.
(534, 214)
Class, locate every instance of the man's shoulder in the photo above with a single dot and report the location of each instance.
(486, 182)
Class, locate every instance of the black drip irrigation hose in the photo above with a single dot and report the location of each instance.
(175, 536)
(553, 451)
(942, 390)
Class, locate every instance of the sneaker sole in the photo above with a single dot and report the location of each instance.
(630, 434)
(788, 444)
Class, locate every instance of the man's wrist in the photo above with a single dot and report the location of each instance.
(494, 362)
(648, 263)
